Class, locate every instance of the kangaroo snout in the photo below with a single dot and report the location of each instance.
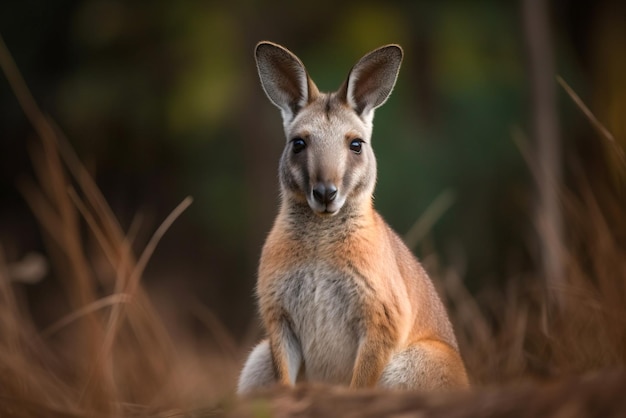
(324, 193)
(325, 198)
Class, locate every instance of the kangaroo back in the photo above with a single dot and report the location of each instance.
(341, 297)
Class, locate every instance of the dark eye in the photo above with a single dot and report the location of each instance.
(298, 145)
(356, 145)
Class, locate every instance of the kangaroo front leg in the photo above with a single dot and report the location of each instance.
(286, 351)
(372, 356)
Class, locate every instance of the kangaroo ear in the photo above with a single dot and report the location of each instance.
(371, 80)
(284, 78)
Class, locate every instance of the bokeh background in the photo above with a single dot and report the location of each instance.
(161, 100)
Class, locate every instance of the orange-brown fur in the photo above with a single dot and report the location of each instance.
(342, 298)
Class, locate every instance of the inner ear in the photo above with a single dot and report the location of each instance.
(372, 79)
(367, 89)
(284, 78)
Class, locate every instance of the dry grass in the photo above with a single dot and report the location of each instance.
(524, 333)
(112, 356)
(593, 396)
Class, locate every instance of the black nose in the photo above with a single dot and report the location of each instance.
(325, 193)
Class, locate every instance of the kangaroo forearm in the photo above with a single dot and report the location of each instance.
(286, 351)
(279, 358)
(369, 364)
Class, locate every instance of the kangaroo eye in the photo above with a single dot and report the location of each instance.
(298, 145)
(356, 145)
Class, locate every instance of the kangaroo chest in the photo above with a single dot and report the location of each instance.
(325, 307)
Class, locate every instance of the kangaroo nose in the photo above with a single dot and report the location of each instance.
(325, 193)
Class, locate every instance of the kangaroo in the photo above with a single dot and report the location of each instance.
(343, 300)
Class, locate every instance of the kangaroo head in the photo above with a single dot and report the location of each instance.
(328, 159)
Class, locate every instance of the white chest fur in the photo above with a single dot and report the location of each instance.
(326, 315)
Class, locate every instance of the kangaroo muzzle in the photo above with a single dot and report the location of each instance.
(324, 198)
(324, 193)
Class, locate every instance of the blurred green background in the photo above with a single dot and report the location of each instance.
(161, 100)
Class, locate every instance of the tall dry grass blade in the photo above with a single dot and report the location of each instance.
(117, 312)
(429, 218)
(78, 314)
(472, 326)
(117, 248)
(223, 338)
(135, 226)
(536, 24)
(8, 307)
(41, 167)
(107, 247)
(43, 211)
(133, 282)
(523, 145)
(542, 221)
(599, 127)
(88, 186)
(22, 93)
(118, 251)
(109, 234)
(121, 260)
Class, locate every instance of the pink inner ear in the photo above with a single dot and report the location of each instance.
(372, 78)
(284, 78)
(370, 86)
(290, 81)
(368, 80)
(364, 85)
(287, 79)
